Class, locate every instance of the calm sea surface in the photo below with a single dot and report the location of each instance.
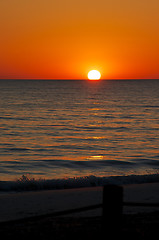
(66, 129)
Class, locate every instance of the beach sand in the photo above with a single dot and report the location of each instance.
(14, 206)
(27, 204)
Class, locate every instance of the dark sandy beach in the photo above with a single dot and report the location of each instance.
(139, 226)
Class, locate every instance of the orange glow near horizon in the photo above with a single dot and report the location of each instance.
(66, 39)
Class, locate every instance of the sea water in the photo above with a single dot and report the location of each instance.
(78, 130)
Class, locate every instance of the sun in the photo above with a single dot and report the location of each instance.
(94, 75)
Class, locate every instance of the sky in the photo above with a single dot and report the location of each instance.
(65, 39)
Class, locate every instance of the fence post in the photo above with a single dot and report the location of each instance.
(112, 209)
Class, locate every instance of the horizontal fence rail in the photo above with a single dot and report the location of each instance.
(141, 204)
(54, 214)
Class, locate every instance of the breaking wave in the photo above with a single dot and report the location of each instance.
(25, 183)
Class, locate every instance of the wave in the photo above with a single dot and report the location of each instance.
(30, 184)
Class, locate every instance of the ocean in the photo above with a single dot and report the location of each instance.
(65, 133)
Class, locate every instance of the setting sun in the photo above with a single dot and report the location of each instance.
(94, 75)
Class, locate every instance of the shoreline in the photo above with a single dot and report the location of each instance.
(20, 205)
(27, 183)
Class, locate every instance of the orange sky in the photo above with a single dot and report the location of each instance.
(64, 39)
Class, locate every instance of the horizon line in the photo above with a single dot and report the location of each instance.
(78, 79)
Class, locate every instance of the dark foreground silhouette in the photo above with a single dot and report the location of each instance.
(135, 226)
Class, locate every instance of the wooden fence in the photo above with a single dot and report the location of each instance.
(112, 208)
